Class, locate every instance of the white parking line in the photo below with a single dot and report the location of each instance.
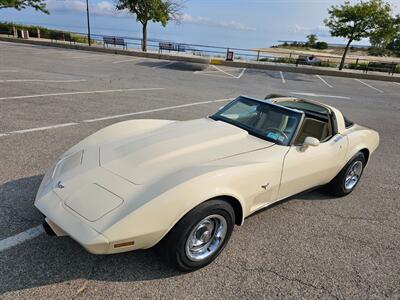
(223, 71)
(43, 80)
(127, 60)
(80, 93)
(164, 65)
(212, 74)
(398, 83)
(324, 81)
(282, 77)
(316, 95)
(8, 71)
(153, 110)
(241, 74)
(113, 117)
(370, 86)
(21, 237)
(42, 128)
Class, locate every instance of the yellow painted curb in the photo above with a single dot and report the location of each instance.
(214, 61)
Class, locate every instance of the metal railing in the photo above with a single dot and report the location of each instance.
(286, 57)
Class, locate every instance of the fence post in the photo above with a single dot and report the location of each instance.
(15, 33)
(258, 55)
(38, 32)
(357, 62)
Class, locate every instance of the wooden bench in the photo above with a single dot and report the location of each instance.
(169, 46)
(116, 41)
(60, 36)
(381, 67)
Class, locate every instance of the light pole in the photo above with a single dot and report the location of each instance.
(88, 22)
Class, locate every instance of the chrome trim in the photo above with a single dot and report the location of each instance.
(353, 175)
(206, 238)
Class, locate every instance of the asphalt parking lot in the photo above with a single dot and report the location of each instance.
(312, 246)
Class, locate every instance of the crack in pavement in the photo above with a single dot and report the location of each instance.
(304, 283)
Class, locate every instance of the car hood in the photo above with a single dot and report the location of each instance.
(148, 156)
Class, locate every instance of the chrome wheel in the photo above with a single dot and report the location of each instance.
(206, 238)
(353, 175)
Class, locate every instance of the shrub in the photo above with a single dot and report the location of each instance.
(44, 32)
(357, 66)
(375, 51)
(321, 45)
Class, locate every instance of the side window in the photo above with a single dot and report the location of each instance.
(314, 127)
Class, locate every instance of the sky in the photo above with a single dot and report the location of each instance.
(226, 23)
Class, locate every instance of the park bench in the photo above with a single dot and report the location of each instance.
(60, 36)
(169, 46)
(381, 67)
(8, 31)
(116, 41)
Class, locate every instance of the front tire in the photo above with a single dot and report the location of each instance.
(200, 236)
(348, 178)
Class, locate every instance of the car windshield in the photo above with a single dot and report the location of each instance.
(262, 119)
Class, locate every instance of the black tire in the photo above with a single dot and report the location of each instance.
(173, 246)
(337, 186)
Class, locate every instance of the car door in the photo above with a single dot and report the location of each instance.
(313, 166)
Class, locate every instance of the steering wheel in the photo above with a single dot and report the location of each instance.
(278, 131)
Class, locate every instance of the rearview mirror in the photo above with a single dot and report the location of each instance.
(310, 141)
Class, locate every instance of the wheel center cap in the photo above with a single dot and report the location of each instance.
(205, 237)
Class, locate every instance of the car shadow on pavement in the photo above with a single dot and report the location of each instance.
(314, 194)
(47, 260)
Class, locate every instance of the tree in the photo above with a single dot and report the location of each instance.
(358, 21)
(394, 44)
(22, 4)
(311, 39)
(160, 11)
(384, 35)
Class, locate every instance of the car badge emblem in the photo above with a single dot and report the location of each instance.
(265, 186)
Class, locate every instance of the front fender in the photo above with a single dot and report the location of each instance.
(159, 206)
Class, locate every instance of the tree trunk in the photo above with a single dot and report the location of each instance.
(144, 38)
(344, 54)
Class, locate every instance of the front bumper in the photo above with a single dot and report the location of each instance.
(56, 214)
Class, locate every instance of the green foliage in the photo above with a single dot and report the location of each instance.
(311, 40)
(357, 66)
(358, 21)
(45, 33)
(394, 43)
(159, 11)
(377, 51)
(39, 5)
(147, 10)
(321, 45)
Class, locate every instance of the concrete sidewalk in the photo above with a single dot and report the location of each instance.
(215, 61)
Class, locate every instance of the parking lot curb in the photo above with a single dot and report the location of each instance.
(200, 60)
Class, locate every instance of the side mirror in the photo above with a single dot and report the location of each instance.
(310, 142)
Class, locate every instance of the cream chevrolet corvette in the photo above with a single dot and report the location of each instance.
(184, 185)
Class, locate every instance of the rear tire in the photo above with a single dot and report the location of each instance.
(348, 178)
(199, 237)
